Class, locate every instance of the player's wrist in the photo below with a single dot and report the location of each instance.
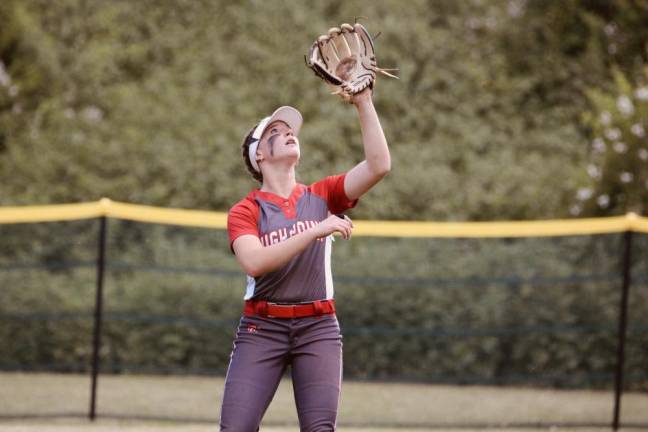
(314, 233)
(364, 98)
(365, 109)
(363, 104)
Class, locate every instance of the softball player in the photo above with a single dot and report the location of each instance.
(281, 235)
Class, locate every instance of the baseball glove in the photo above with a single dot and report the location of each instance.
(345, 59)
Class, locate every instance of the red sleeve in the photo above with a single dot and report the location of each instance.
(242, 219)
(332, 190)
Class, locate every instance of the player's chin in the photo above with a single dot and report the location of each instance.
(293, 150)
(291, 157)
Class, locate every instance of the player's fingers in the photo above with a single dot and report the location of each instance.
(349, 224)
(346, 230)
(338, 227)
(343, 225)
(348, 219)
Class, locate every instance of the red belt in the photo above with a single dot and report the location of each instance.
(275, 310)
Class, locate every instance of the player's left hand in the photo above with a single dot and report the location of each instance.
(345, 59)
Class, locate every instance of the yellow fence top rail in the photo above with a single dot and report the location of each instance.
(208, 219)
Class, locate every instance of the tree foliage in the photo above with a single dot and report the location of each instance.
(147, 101)
(619, 149)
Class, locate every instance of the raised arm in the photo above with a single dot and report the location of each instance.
(377, 161)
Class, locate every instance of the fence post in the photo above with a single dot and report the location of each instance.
(623, 318)
(96, 340)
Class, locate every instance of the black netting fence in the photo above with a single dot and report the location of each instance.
(436, 326)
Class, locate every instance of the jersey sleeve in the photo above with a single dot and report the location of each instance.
(242, 219)
(332, 190)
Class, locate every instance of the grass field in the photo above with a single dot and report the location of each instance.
(58, 402)
(103, 426)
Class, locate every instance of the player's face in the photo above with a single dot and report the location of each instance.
(279, 143)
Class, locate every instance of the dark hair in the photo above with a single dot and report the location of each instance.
(245, 151)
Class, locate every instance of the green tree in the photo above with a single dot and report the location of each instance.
(147, 101)
(618, 168)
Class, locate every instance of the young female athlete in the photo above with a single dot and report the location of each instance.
(281, 234)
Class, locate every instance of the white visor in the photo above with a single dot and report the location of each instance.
(286, 114)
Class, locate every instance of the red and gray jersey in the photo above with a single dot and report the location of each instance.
(307, 276)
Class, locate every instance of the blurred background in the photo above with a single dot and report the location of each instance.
(505, 110)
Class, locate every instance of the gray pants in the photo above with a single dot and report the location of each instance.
(262, 349)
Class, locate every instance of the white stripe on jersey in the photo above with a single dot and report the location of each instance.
(328, 275)
(251, 285)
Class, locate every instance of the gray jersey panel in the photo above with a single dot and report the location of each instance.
(303, 277)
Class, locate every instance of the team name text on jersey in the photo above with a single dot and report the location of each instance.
(281, 234)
